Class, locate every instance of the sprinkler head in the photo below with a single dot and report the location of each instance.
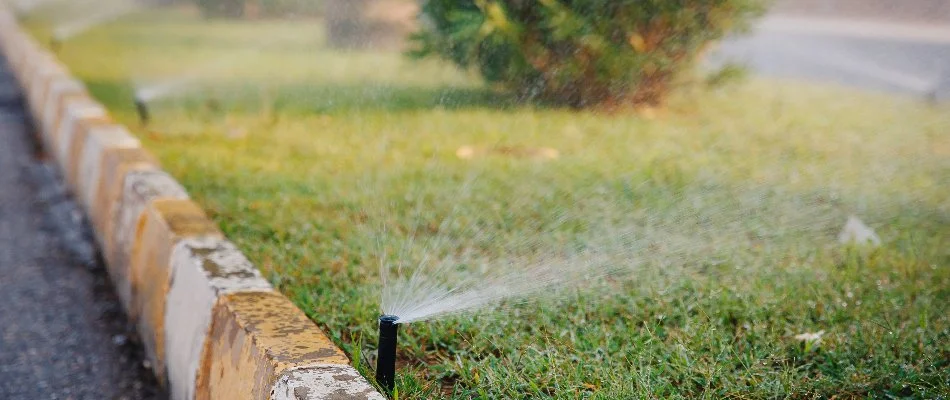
(55, 43)
(213, 105)
(141, 106)
(386, 359)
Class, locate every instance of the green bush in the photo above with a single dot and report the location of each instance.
(580, 53)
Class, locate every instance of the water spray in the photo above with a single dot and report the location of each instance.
(141, 106)
(386, 359)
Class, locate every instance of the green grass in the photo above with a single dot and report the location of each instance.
(311, 149)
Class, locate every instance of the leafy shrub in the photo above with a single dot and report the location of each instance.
(581, 53)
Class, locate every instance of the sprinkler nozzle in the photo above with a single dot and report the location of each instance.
(55, 43)
(142, 107)
(386, 357)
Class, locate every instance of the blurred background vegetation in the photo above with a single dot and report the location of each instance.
(605, 54)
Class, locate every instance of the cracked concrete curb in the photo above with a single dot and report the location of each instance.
(213, 328)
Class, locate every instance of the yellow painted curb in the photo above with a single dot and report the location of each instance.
(76, 148)
(42, 71)
(203, 269)
(165, 222)
(139, 189)
(76, 112)
(114, 164)
(95, 144)
(259, 342)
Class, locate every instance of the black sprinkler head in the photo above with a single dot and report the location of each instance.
(142, 107)
(386, 359)
(55, 44)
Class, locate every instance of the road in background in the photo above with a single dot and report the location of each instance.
(62, 332)
(892, 56)
(913, 11)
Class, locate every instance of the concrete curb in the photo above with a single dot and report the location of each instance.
(213, 327)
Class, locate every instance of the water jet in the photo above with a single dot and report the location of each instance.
(107, 13)
(386, 359)
(141, 106)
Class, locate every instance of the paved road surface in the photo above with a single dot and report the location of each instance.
(62, 332)
(894, 57)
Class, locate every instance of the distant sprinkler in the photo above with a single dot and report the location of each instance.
(941, 90)
(55, 43)
(141, 106)
(386, 359)
(213, 105)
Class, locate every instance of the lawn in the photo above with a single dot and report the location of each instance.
(318, 162)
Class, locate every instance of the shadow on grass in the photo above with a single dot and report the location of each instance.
(310, 98)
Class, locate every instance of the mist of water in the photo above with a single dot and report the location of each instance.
(468, 264)
(197, 76)
(25, 7)
(105, 12)
(699, 226)
(150, 91)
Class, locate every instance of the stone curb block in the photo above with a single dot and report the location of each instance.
(40, 74)
(86, 133)
(98, 141)
(139, 189)
(163, 225)
(250, 353)
(212, 326)
(28, 52)
(203, 269)
(114, 164)
(56, 96)
(77, 112)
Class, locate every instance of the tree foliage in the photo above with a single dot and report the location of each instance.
(581, 53)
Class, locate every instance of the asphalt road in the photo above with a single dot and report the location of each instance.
(62, 332)
(892, 57)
